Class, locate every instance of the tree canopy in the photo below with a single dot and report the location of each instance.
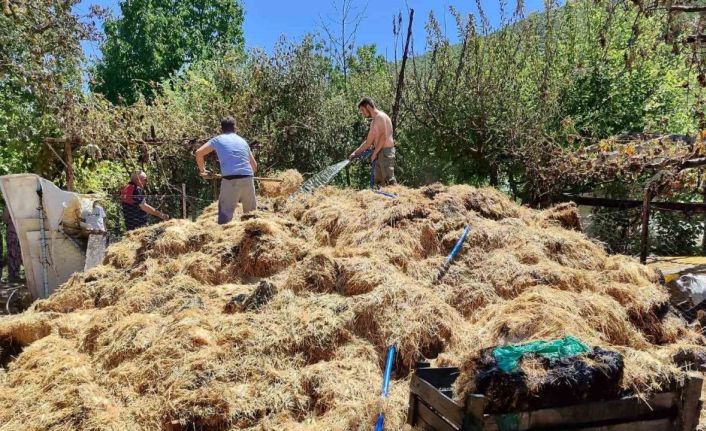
(153, 39)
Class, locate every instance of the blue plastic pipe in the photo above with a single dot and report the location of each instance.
(450, 258)
(388, 371)
(385, 390)
(457, 247)
(389, 195)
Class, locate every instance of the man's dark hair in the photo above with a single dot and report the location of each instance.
(366, 101)
(228, 124)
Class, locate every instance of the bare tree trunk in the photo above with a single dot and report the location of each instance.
(494, 176)
(400, 78)
(69, 166)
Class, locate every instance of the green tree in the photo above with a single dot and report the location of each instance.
(153, 39)
(40, 64)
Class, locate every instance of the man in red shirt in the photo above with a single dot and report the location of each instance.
(135, 209)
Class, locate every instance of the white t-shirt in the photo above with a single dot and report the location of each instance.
(95, 218)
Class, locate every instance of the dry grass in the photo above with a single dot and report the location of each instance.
(143, 342)
(291, 181)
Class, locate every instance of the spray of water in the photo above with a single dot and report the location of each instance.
(322, 178)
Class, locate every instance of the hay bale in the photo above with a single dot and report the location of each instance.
(151, 345)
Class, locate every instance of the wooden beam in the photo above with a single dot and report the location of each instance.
(690, 405)
(186, 142)
(696, 38)
(686, 207)
(433, 420)
(687, 8)
(625, 409)
(644, 234)
(444, 405)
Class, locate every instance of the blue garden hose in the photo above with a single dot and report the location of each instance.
(449, 259)
(385, 390)
(389, 195)
(373, 163)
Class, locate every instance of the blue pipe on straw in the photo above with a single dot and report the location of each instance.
(388, 371)
(380, 423)
(389, 195)
(452, 255)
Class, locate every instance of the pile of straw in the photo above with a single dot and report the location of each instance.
(176, 331)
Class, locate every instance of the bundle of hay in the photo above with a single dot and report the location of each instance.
(291, 181)
(177, 330)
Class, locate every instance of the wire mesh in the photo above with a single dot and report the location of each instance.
(120, 219)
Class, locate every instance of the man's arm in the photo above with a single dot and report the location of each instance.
(149, 209)
(253, 163)
(367, 143)
(201, 153)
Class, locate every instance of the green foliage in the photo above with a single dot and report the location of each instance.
(153, 39)
(40, 59)
(495, 109)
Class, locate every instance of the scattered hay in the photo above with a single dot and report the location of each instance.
(180, 330)
(291, 181)
(565, 215)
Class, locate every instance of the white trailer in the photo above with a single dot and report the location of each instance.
(47, 220)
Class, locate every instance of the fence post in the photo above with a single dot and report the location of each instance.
(644, 235)
(69, 166)
(703, 239)
(183, 200)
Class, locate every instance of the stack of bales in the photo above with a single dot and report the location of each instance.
(152, 339)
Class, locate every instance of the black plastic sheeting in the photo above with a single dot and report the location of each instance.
(592, 376)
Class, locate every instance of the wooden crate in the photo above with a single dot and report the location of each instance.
(431, 407)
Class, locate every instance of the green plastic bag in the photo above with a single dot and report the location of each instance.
(508, 357)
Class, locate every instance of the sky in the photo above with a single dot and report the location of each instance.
(267, 20)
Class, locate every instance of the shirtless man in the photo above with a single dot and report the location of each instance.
(380, 138)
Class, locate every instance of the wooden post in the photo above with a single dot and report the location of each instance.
(183, 200)
(69, 166)
(690, 406)
(400, 78)
(703, 239)
(644, 235)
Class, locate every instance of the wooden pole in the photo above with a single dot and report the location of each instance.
(183, 200)
(703, 239)
(644, 235)
(69, 166)
(400, 78)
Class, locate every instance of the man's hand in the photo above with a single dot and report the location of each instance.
(205, 174)
(352, 156)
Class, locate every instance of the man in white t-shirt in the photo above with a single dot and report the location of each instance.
(94, 220)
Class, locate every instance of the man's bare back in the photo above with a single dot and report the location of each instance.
(380, 139)
(382, 128)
